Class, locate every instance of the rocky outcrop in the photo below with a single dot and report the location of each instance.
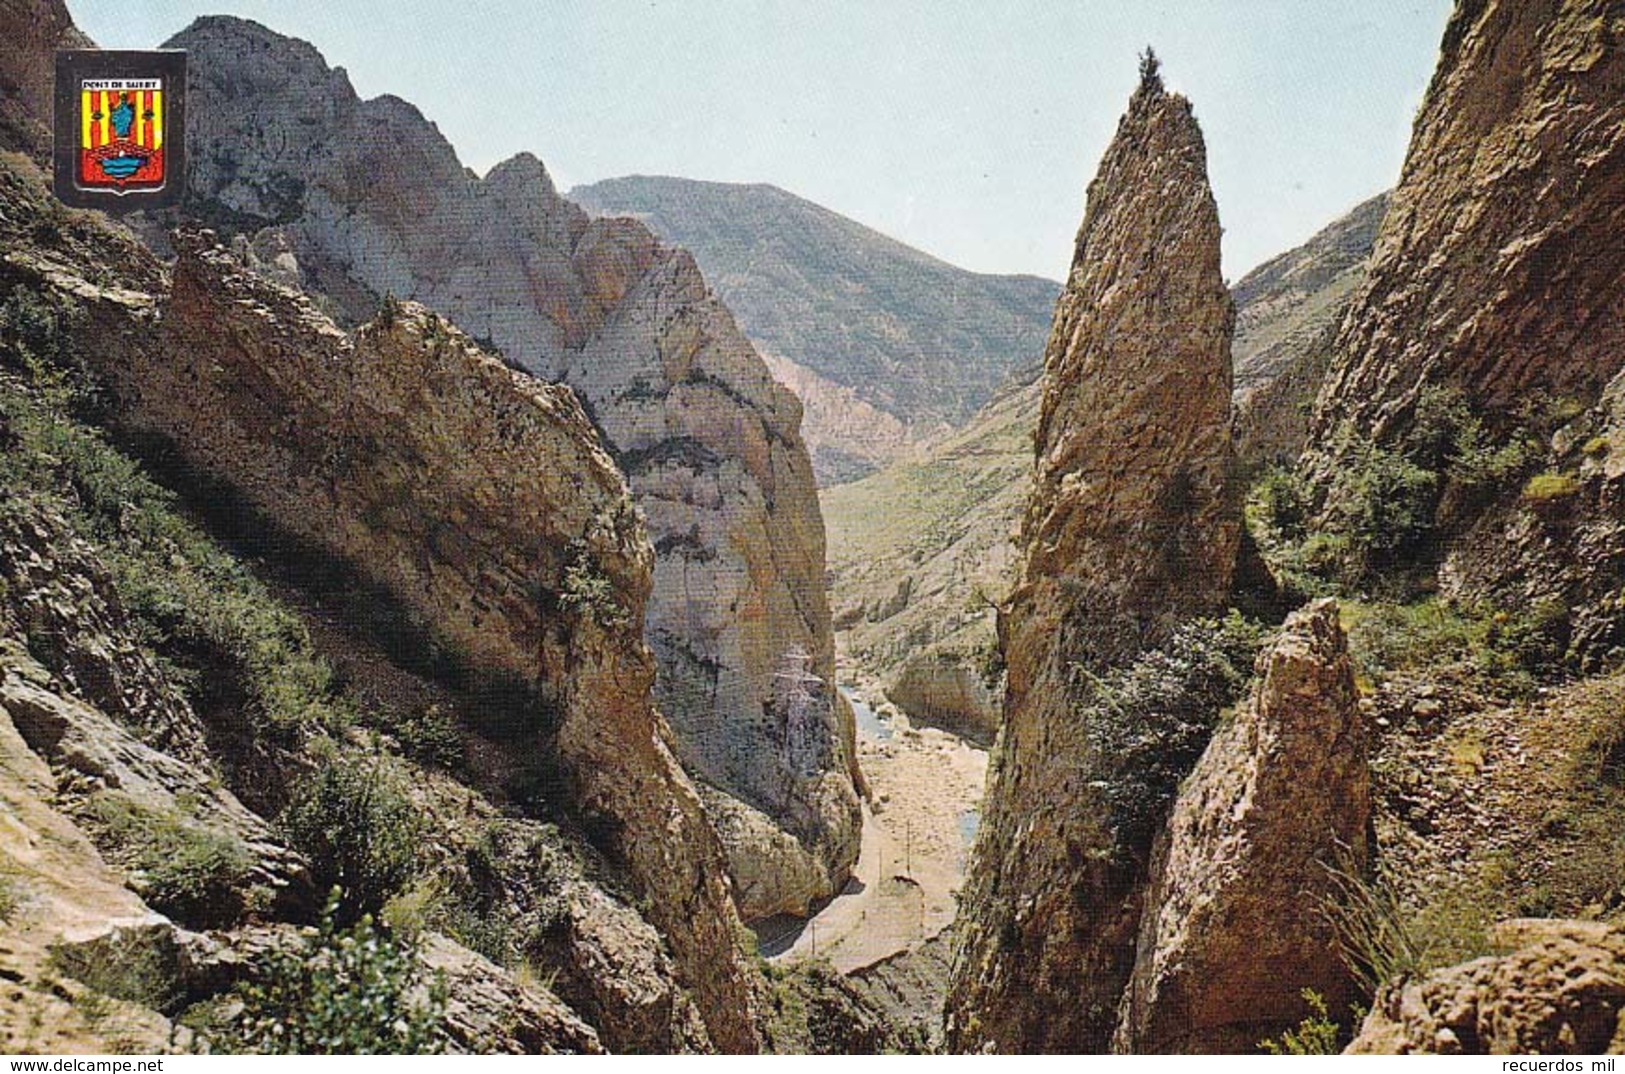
(944, 516)
(1559, 542)
(937, 688)
(35, 29)
(1132, 513)
(488, 1011)
(1234, 924)
(60, 596)
(368, 199)
(1561, 991)
(129, 753)
(520, 552)
(1496, 280)
(1131, 528)
(57, 887)
(619, 976)
(1496, 269)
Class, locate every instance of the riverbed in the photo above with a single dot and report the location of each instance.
(925, 792)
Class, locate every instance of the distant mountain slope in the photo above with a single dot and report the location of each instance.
(835, 305)
(916, 548)
(1291, 298)
(1287, 313)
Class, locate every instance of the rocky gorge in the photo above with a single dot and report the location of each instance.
(708, 440)
(419, 631)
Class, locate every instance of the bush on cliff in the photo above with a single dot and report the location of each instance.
(359, 830)
(207, 620)
(356, 990)
(1148, 723)
(1384, 509)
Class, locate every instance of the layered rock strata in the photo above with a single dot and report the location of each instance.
(520, 551)
(364, 199)
(1496, 280)
(1496, 269)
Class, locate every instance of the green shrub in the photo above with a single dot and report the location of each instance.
(1148, 723)
(1503, 651)
(1549, 487)
(428, 734)
(190, 872)
(345, 991)
(1390, 500)
(588, 593)
(1317, 1034)
(359, 830)
(1381, 938)
(1285, 501)
(136, 966)
(1387, 502)
(200, 881)
(35, 336)
(200, 610)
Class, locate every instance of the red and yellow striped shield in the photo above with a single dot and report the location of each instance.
(121, 134)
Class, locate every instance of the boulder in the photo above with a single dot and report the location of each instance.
(1234, 926)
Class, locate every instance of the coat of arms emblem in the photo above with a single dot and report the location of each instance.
(120, 134)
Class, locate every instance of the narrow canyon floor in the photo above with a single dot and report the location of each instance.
(925, 794)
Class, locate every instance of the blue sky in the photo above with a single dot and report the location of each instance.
(969, 129)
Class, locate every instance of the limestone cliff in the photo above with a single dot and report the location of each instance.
(1131, 528)
(1496, 268)
(1234, 925)
(368, 199)
(1496, 281)
(521, 550)
(883, 343)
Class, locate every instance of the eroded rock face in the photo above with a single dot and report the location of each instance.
(1131, 528)
(35, 29)
(1560, 992)
(1233, 927)
(490, 1012)
(1496, 276)
(936, 688)
(1496, 270)
(1131, 511)
(368, 199)
(59, 595)
(521, 550)
(1564, 550)
(882, 343)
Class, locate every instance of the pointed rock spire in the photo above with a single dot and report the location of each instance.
(1131, 529)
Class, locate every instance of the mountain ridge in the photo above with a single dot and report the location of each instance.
(922, 341)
